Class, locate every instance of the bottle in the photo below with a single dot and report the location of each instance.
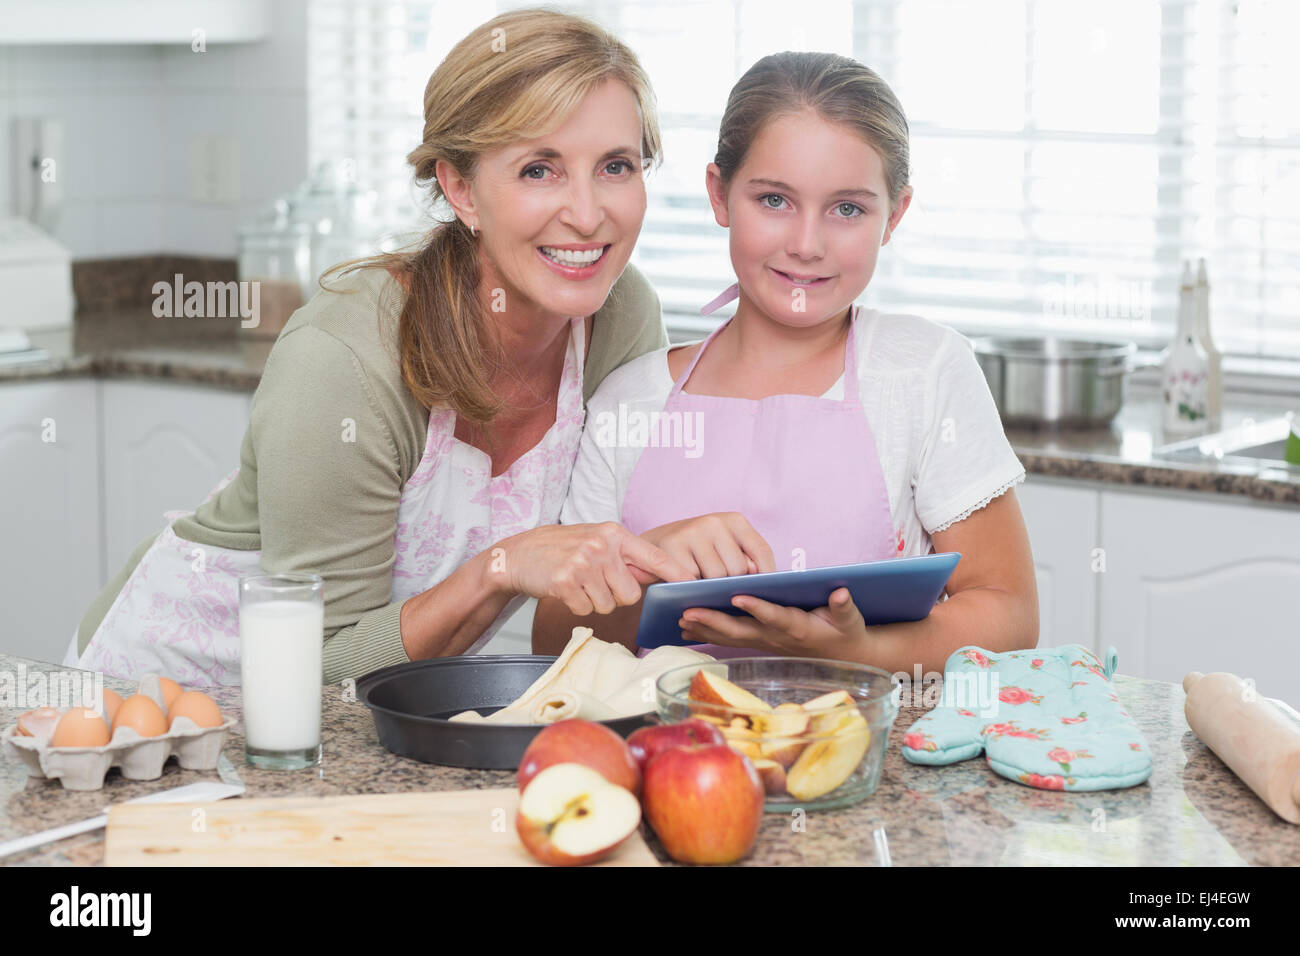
(1214, 395)
(1186, 370)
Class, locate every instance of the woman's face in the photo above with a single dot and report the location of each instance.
(808, 211)
(558, 215)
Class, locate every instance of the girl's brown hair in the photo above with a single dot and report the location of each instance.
(838, 88)
(517, 76)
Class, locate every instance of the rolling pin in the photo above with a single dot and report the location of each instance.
(1258, 742)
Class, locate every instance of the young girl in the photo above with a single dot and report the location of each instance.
(807, 432)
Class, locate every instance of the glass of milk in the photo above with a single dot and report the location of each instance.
(281, 630)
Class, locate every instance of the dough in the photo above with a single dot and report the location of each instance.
(594, 680)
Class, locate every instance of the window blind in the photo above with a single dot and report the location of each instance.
(1065, 157)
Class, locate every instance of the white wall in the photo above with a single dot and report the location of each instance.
(128, 114)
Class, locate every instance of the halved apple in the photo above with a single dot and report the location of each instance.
(773, 776)
(708, 688)
(571, 815)
(825, 764)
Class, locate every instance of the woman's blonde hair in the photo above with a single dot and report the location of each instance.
(839, 88)
(517, 76)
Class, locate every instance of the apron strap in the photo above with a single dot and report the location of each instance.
(851, 358)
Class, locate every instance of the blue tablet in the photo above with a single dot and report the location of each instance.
(897, 589)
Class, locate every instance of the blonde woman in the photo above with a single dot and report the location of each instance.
(417, 421)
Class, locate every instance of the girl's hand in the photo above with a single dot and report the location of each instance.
(714, 545)
(589, 567)
(835, 631)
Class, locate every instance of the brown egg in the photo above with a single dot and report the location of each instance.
(170, 691)
(112, 701)
(39, 722)
(197, 706)
(80, 727)
(142, 715)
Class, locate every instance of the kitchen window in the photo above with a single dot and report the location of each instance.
(1066, 157)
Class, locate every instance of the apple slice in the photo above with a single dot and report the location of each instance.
(708, 688)
(781, 733)
(742, 739)
(570, 815)
(818, 706)
(825, 764)
(773, 776)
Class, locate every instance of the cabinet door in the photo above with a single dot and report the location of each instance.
(516, 634)
(50, 538)
(1062, 521)
(1202, 583)
(166, 446)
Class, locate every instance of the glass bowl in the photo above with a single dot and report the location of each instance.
(828, 754)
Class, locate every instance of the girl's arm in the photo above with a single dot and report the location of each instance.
(992, 595)
(992, 602)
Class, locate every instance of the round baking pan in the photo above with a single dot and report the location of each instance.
(411, 703)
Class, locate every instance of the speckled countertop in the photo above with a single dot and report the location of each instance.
(132, 343)
(1192, 812)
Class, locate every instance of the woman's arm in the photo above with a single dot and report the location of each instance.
(708, 546)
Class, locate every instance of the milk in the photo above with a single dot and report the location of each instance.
(280, 664)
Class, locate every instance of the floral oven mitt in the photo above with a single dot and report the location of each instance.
(1047, 718)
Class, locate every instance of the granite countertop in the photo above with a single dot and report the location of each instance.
(132, 343)
(1192, 812)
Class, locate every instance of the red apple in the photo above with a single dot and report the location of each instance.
(572, 815)
(705, 803)
(649, 741)
(581, 741)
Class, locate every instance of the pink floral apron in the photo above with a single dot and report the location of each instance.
(802, 469)
(178, 613)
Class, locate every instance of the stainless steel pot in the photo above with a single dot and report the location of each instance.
(1057, 382)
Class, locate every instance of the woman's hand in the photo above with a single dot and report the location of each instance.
(836, 631)
(714, 545)
(589, 567)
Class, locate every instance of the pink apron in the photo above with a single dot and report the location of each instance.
(802, 469)
(178, 613)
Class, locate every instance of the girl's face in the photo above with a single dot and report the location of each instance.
(808, 212)
(558, 215)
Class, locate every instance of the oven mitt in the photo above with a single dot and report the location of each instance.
(1047, 718)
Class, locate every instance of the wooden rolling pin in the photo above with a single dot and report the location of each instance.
(1258, 742)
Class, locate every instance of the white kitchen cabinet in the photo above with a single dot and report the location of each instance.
(1202, 582)
(1061, 517)
(50, 556)
(516, 634)
(166, 446)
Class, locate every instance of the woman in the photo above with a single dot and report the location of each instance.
(414, 430)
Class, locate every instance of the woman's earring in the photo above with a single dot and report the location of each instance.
(473, 231)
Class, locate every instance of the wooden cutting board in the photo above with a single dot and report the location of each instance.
(455, 828)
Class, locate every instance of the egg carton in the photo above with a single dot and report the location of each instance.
(138, 757)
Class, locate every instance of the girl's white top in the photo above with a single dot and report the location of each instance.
(936, 426)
